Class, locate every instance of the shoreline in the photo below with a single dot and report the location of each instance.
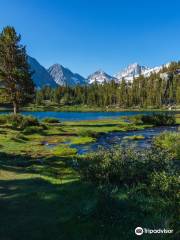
(88, 109)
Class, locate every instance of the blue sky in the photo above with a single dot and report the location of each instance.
(96, 34)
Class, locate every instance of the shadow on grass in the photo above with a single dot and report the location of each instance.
(56, 167)
(36, 209)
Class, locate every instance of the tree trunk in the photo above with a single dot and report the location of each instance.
(15, 106)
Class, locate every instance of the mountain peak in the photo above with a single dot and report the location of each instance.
(57, 74)
(135, 70)
(56, 65)
(100, 71)
(41, 77)
(132, 70)
(133, 65)
(63, 76)
(100, 76)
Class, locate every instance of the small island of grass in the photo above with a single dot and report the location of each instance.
(134, 137)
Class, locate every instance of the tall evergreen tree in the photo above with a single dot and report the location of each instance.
(14, 70)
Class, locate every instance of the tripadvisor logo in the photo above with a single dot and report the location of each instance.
(139, 231)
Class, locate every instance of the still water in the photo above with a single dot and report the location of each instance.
(77, 116)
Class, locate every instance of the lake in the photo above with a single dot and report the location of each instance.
(77, 116)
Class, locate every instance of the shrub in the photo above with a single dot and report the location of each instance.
(137, 119)
(170, 141)
(51, 120)
(15, 120)
(157, 119)
(44, 126)
(123, 166)
(21, 122)
(32, 129)
(162, 119)
(3, 118)
(165, 185)
(28, 121)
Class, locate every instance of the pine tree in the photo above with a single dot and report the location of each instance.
(14, 70)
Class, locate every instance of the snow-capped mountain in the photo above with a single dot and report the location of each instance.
(63, 76)
(40, 76)
(132, 71)
(100, 77)
(135, 70)
(59, 75)
(157, 69)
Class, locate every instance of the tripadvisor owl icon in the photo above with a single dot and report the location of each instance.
(139, 231)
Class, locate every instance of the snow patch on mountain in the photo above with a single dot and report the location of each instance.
(100, 77)
(135, 70)
(132, 71)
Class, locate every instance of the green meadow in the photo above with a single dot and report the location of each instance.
(44, 195)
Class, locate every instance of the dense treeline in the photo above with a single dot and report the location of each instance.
(157, 90)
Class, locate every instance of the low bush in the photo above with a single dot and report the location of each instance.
(156, 119)
(123, 166)
(28, 121)
(15, 120)
(51, 120)
(170, 141)
(21, 122)
(137, 119)
(3, 118)
(44, 126)
(165, 185)
(32, 129)
(162, 119)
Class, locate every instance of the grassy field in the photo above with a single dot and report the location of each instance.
(42, 196)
